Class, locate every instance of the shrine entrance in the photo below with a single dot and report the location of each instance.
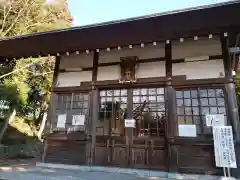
(139, 147)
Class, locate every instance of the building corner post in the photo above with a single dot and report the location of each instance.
(231, 99)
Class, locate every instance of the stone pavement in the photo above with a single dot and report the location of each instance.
(60, 174)
(27, 170)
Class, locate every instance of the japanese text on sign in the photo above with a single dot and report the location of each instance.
(224, 147)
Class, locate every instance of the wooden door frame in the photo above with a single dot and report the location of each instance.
(129, 131)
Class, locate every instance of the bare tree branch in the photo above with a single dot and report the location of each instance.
(20, 13)
(4, 17)
(6, 14)
(41, 21)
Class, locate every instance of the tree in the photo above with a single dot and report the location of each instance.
(27, 89)
(28, 16)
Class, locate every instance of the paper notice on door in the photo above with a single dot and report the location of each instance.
(187, 130)
(130, 123)
(61, 121)
(78, 120)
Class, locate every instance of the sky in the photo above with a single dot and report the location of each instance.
(87, 12)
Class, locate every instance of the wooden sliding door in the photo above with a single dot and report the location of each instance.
(139, 147)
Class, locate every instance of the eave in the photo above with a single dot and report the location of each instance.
(203, 20)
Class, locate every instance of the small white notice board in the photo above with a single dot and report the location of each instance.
(215, 120)
(224, 147)
(78, 120)
(130, 123)
(61, 121)
(187, 130)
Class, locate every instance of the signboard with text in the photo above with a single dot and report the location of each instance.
(224, 147)
(215, 120)
(78, 120)
(187, 130)
(130, 123)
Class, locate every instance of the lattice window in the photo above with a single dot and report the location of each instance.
(194, 104)
(73, 104)
(113, 105)
(149, 111)
(147, 106)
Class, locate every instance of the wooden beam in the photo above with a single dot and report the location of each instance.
(56, 71)
(147, 60)
(168, 59)
(226, 56)
(95, 66)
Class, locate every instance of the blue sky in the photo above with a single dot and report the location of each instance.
(96, 11)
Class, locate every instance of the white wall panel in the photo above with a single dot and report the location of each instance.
(149, 51)
(192, 48)
(153, 69)
(76, 61)
(68, 79)
(108, 73)
(199, 69)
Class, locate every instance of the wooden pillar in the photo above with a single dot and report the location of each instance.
(94, 79)
(53, 97)
(170, 94)
(171, 123)
(94, 95)
(232, 107)
(231, 101)
(51, 107)
(95, 117)
(129, 130)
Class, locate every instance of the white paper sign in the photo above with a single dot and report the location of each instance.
(130, 123)
(224, 147)
(78, 120)
(187, 130)
(215, 120)
(61, 121)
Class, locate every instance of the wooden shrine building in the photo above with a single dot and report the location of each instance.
(134, 93)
